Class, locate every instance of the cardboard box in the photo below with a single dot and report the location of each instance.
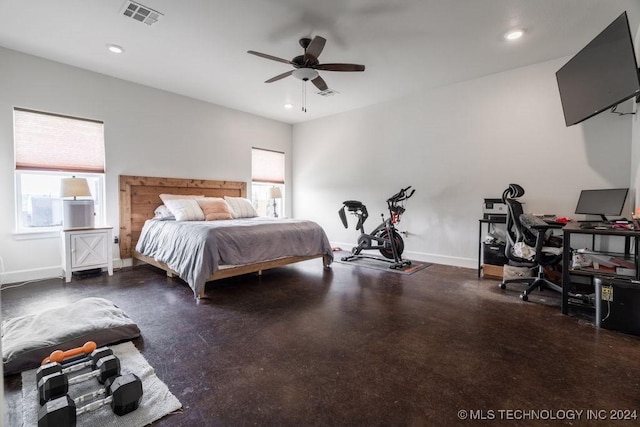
(492, 271)
(511, 272)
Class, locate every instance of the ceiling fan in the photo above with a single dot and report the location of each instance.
(306, 65)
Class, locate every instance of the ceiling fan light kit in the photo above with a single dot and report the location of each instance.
(306, 65)
(305, 74)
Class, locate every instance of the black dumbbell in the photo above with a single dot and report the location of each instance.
(124, 394)
(74, 364)
(57, 384)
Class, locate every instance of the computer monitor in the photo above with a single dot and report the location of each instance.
(602, 202)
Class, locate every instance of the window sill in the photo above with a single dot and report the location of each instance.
(33, 235)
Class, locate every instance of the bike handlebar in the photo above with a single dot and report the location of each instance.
(401, 195)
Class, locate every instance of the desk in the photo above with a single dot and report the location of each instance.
(481, 222)
(574, 228)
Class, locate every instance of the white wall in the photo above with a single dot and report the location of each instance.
(456, 145)
(635, 144)
(147, 132)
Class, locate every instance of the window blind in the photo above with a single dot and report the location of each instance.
(45, 141)
(267, 166)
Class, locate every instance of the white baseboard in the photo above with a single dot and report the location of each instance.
(119, 263)
(442, 259)
(19, 276)
(425, 257)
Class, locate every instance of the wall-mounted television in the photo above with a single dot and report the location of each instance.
(603, 74)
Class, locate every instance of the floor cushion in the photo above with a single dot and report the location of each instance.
(28, 339)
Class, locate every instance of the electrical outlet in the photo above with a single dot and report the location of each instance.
(607, 293)
(116, 240)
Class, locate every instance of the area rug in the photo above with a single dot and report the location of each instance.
(379, 265)
(157, 401)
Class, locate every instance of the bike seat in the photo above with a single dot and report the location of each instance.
(353, 205)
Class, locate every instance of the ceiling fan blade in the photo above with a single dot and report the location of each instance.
(273, 58)
(320, 83)
(279, 76)
(315, 48)
(339, 67)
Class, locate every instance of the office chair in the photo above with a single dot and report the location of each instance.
(532, 231)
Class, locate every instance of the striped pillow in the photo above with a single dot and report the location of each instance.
(164, 197)
(241, 207)
(185, 209)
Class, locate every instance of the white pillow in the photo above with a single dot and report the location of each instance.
(242, 208)
(163, 212)
(165, 197)
(185, 209)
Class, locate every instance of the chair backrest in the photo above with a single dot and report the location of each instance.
(516, 232)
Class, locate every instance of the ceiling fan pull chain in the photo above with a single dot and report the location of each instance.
(304, 97)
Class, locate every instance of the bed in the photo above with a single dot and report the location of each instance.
(139, 197)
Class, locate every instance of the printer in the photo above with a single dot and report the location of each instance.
(494, 210)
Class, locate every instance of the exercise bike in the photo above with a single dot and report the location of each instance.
(384, 238)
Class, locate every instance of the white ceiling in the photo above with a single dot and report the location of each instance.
(198, 48)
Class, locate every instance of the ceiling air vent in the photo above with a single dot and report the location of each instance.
(328, 92)
(140, 13)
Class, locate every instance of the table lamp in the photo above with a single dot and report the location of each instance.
(77, 213)
(275, 193)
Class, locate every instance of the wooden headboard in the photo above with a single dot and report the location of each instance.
(140, 196)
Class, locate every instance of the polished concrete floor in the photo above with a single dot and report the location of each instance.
(301, 346)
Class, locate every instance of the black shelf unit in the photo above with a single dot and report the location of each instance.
(489, 222)
(573, 228)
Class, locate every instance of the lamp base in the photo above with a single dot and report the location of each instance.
(78, 214)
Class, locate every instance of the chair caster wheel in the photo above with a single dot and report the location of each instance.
(502, 286)
(524, 297)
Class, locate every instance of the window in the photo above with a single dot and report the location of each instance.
(267, 182)
(49, 147)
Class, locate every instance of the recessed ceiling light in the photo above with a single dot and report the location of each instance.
(114, 48)
(514, 34)
(288, 106)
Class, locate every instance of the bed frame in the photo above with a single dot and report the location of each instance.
(140, 196)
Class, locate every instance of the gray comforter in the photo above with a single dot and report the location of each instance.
(195, 249)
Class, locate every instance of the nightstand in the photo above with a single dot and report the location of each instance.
(85, 249)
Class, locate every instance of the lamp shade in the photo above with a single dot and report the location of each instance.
(74, 187)
(275, 193)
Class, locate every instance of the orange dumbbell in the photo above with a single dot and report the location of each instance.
(58, 356)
